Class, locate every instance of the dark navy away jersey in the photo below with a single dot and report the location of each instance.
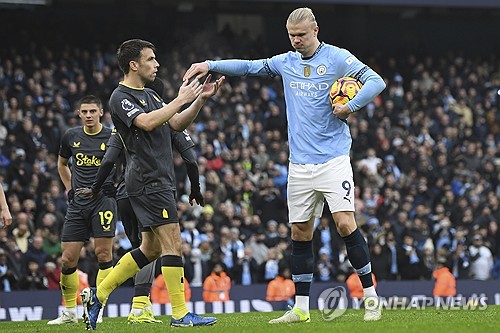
(149, 154)
(85, 152)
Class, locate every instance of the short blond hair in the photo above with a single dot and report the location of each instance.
(300, 15)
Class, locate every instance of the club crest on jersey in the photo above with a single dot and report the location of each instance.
(321, 70)
(127, 105)
(307, 71)
(103, 146)
(76, 144)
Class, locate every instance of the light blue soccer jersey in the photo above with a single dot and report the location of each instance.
(314, 133)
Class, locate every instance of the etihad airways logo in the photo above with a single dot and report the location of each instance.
(309, 89)
(84, 160)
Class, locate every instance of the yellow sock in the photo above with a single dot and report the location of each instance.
(101, 275)
(124, 269)
(174, 279)
(69, 287)
(140, 302)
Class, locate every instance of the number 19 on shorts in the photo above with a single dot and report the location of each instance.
(106, 218)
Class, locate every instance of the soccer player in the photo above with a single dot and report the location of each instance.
(143, 121)
(96, 216)
(320, 142)
(142, 311)
(5, 216)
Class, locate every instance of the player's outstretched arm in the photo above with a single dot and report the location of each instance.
(188, 92)
(231, 67)
(199, 69)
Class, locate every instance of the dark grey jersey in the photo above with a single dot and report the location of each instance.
(182, 141)
(85, 152)
(149, 154)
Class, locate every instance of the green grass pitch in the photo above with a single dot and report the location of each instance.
(407, 321)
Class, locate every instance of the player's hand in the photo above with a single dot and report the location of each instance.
(197, 197)
(71, 195)
(6, 218)
(109, 190)
(341, 111)
(85, 191)
(199, 70)
(211, 88)
(188, 92)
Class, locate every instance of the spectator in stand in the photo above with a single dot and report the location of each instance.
(237, 246)
(272, 233)
(409, 260)
(445, 284)
(52, 273)
(481, 259)
(21, 235)
(258, 246)
(36, 253)
(460, 262)
(7, 279)
(324, 271)
(247, 269)
(325, 237)
(34, 279)
(270, 267)
(372, 163)
(381, 261)
(217, 285)
(52, 245)
(281, 288)
(199, 267)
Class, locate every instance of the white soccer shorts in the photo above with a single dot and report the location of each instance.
(310, 184)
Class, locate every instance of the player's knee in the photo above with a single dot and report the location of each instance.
(300, 232)
(69, 261)
(345, 227)
(151, 252)
(103, 254)
(154, 253)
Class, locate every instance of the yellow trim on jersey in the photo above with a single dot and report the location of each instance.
(157, 99)
(135, 88)
(99, 131)
(121, 138)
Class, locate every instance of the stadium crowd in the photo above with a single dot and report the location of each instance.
(425, 155)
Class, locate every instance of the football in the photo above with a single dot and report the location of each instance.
(344, 89)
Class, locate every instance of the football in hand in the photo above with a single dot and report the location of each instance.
(344, 89)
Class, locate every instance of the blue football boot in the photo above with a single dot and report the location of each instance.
(192, 319)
